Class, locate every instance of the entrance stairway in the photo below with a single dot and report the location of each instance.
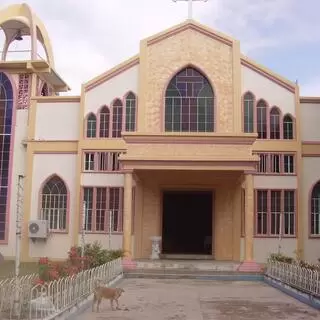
(189, 269)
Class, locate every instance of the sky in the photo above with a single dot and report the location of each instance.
(90, 37)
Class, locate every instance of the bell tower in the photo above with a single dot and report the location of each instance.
(34, 74)
(23, 74)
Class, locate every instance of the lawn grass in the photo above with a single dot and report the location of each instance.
(7, 268)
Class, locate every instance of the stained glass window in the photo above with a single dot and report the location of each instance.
(287, 127)
(274, 123)
(6, 109)
(130, 112)
(189, 103)
(248, 113)
(104, 122)
(117, 109)
(262, 119)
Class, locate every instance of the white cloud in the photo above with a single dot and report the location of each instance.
(91, 36)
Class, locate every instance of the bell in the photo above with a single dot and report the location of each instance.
(18, 36)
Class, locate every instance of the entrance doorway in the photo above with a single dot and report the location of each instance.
(187, 222)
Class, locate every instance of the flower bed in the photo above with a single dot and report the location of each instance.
(94, 256)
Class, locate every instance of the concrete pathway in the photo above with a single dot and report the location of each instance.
(154, 299)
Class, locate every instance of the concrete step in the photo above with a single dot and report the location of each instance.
(187, 265)
(187, 274)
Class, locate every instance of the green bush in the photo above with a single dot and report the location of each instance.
(282, 258)
(96, 255)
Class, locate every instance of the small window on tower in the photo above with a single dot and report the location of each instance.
(44, 90)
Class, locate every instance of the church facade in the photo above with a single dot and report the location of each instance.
(189, 140)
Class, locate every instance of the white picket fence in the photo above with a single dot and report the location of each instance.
(8, 293)
(45, 301)
(303, 279)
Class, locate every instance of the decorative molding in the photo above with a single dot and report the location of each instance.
(24, 91)
(190, 24)
(111, 73)
(311, 100)
(189, 138)
(48, 99)
(286, 84)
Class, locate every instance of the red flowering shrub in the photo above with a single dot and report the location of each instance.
(94, 256)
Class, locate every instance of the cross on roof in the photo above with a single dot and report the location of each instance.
(190, 5)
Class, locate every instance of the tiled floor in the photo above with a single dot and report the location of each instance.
(146, 299)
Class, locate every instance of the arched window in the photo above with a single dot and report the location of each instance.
(248, 113)
(131, 112)
(315, 210)
(274, 123)
(287, 127)
(54, 203)
(104, 125)
(6, 112)
(262, 119)
(45, 90)
(189, 103)
(117, 112)
(91, 126)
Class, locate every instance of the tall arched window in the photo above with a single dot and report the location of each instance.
(6, 113)
(287, 127)
(54, 203)
(315, 210)
(91, 126)
(274, 123)
(45, 90)
(131, 112)
(117, 113)
(104, 125)
(262, 119)
(189, 103)
(248, 112)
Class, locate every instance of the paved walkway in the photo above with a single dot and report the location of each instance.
(202, 300)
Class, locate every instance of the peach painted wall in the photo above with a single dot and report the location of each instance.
(116, 240)
(263, 88)
(57, 121)
(263, 247)
(275, 182)
(102, 179)
(310, 176)
(45, 165)
(310, 115)
(168, 56)
(223, 220)
(18, 167)
(115, 87)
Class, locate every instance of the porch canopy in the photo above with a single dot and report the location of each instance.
(189, 151)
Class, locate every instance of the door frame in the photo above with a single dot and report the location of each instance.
(191, 188)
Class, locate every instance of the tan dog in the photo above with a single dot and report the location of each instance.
(112, 294)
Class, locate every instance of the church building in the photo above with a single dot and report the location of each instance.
(189, 140)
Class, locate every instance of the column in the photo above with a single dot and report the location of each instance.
(249, 217)
(249, 265)
(127, 214)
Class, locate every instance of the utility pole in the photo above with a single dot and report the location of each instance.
(84, 225)
(19, 217)
(111, 215)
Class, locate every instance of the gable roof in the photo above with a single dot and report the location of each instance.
(111, 73)
(193, 25)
